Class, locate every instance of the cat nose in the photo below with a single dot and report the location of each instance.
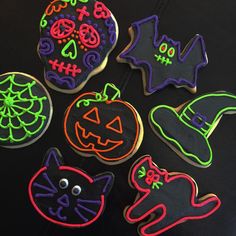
(64, 200)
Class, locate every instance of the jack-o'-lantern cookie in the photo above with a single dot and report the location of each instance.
(161, 59)
(165, 199)
(102, 125)
(25, 110)
(187, 129)
(68, 196)
(76, 39)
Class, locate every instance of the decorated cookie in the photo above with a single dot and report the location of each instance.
(25, 110)
(104, 126)
(187, 129)
(165, 199)
(161, 59)
(67, 196)
(76, 39)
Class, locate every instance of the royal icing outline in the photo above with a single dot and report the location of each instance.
(136, 173)
(48, 190)
(198, 123)
(140, 63)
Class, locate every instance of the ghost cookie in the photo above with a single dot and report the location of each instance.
(25, 110)
(162, 60)
(187, 129)
(68, 196)
(76, 39)
(165, 199)
(104, 126)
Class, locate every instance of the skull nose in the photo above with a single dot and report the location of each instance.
(64, 200)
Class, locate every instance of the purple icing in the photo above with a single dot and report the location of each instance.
(66, 81)
(46, 46)
(91, 59)
(156, 43)
(199, 117)
(108, 179)
(111, 29)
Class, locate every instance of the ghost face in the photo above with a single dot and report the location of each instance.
(75, 40)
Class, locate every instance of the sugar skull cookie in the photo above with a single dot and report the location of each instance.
(76, 39)
(67, 196)
(104, 126)
(25, 110)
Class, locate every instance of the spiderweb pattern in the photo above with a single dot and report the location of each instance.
(21, 112)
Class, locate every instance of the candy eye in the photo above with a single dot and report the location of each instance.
(163, 47)
(76, 190)
(63, 183)
(171, 52)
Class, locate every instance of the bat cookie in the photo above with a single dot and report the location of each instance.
(187, 129)
(67, 196)
(161, 59)
(25, 110)
(104, 126)
(76, 39)
(165, 199)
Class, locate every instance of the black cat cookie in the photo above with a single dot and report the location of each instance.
(25, 110)
(162, 60)
(165, 199)
(187, 129)
(104, 126)
(76, 39)
(67, 196)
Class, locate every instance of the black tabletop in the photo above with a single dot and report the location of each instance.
(180, 20)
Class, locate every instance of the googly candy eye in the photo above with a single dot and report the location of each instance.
(76, 190)
(63, 183)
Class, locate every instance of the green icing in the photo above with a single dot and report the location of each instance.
(43, 22)
(16, 106)
(74, 2)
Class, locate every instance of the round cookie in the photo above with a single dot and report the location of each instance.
(67, 196)
(76, 39)
(102, 125)
(25, 108)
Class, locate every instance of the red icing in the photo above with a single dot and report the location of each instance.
(101, 11)
(62, 28)
(89, 36)
(82, 12)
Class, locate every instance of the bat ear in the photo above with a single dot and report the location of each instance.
(53, 158)
(104, 182)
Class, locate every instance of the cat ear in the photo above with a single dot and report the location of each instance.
(104, 182)
(53, 158)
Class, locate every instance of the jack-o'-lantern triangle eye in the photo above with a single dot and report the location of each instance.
(92, 116)
(115, 125)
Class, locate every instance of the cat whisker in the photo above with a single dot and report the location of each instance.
(44, 187)
(98, 202)
(80, 214)
(87, 209)
(43, 195)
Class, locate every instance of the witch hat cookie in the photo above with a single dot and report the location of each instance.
(104, 126)
(187, 128)
(76, 39)
(67, 196)
(25, 110)
(165, 199)
(162, 60)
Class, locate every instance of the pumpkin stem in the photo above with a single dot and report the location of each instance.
(111, 92)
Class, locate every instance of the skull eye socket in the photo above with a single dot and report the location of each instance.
(163, 47)
(171, 52)
(115, 125)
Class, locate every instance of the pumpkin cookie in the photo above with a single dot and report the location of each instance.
(102, 125)
(25, 108)
(76, 39)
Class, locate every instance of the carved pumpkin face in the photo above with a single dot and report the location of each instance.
(110, 129)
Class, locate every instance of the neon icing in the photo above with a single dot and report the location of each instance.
(188, 129)
(162, 59)
(104, 126)
(68, 196)
(174, 201)
(25, 109)
(80, 35)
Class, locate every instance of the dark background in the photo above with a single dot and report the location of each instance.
(180, 20)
